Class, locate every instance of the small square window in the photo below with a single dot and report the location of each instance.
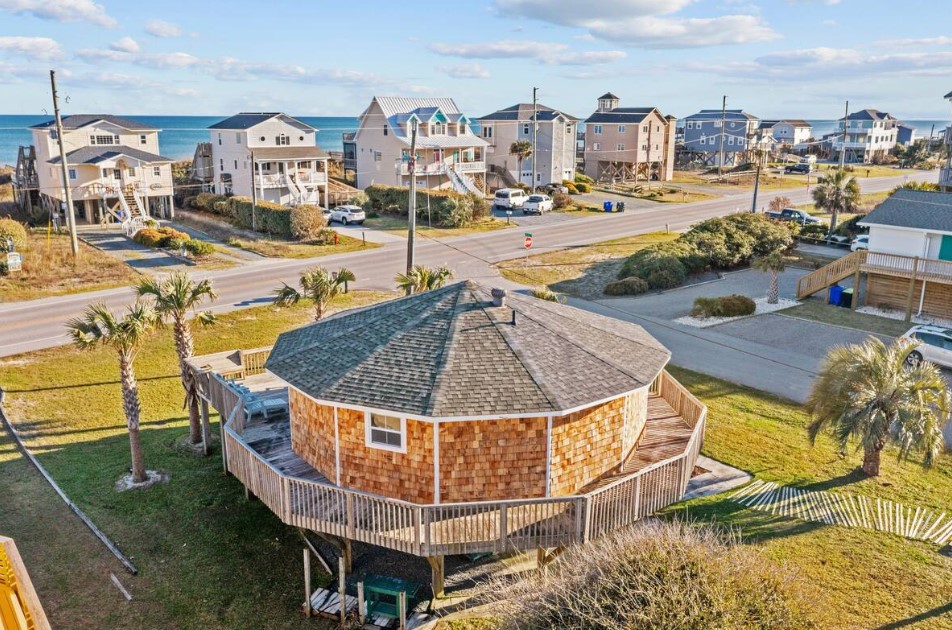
(156, 171)
(386, 432)
(597, 129)
(621, 128)
(143, 139)
(619, 147)
(72, 173)
(238, 137)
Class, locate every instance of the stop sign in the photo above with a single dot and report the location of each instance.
(528, 243)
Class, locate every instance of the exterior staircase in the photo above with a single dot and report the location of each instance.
(830, 274)
(504, 173)
(463, 183)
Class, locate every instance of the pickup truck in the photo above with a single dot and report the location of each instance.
(792, 214)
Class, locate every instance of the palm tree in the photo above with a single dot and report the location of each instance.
(100, 326)
(422, 278)
(173, 298)
(836, 192)
(870, 394)
(522, 149)
(773, 264)
(318, 285)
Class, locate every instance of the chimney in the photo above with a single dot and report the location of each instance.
(499, 297)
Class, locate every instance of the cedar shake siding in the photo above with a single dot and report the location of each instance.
(312, 433)
(586, 445)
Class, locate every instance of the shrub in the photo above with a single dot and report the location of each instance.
(359, 199)
(582, 178)
(150, 223)
(654, 575)
(627, 286)
(547, 294)
(267, 217)
(206, 201)
(307, 222)
(221, 208)
(573, 189)
(653, 257)
(4, 270)
(851, 226)
(779, 202)
(583, 187)
(733, 240)
(189, 202)
(176, 243)
(815, 230)
(12, 230)
(727, 306)
(198, 248)
(148, 237)
(561, 201)
(447, 208)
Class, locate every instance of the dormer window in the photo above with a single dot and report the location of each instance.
(462, 128)
(282, 140)
(436, 128)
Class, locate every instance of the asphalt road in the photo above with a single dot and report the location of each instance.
(36, 324)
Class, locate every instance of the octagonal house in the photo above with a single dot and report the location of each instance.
(459, 420)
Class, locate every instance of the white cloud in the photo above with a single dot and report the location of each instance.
(464, 71)
(62, 11)
(126, 44)
(941, 40)
(813, 1)
(147, 60)
(126, 83)
(574, 13)
(586, 58)
(35, 48)
(543, 52)
(161, 28)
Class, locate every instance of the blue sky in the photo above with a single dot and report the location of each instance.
(773, 58)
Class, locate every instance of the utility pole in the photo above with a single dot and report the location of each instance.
(535, 128)
(411, 210)
(720, 160)
(254, 192)
(753, 204)
(843, 148)
(70, 217)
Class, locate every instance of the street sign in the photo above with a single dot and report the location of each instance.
(14, 261)
(528, 243)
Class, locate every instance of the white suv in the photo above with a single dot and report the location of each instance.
(347, 214)
(510, 198)
(935, 345)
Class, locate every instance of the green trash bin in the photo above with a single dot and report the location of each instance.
(846, 298)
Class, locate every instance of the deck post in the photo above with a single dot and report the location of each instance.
(402, 609)
(911, 291)
(857, 279)
(206, 432)
(347, 551)
(307, 582)
(342, 590)
(361, 603)
(436, 582)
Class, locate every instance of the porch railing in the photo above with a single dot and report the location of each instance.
(472, 527)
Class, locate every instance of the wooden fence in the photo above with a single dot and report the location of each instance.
(459, 528)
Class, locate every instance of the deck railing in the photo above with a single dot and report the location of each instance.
(909, 266)
(19, 603)
(471, 527)
(252, 361)
(828, 274)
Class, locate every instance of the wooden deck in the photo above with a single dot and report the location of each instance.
(271, 438)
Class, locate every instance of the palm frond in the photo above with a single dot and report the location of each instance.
(286, 296)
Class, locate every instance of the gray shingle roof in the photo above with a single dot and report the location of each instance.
(622, 115)
(95, 155)
(869, 114)
(716, 114)
(81, 120)
(524, 111)
(246, 120)
(607, 95)
(451, 353)
(918, 209)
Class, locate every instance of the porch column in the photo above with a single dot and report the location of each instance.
(437, 575)
(171, 208)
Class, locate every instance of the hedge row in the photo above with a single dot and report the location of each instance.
(446, 208)
(718, 243)
(302, 222)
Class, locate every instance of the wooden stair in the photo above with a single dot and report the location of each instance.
(830, 274)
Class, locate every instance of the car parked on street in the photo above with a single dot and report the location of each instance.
(347, 214)
(860, 242)
(555, 187)
(792, 214)
(803, 168)
(509, 198)
(537, 204)
(935, 345)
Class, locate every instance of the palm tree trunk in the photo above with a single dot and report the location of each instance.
(318, 310)
(773, 296)
(132, 409)
(185, 347)
(871, 460)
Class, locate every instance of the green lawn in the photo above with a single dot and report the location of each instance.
(817, 310)
(398, 226)
(861, 579)
(207, 558)
(582, 270)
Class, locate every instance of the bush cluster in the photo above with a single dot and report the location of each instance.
(269, 217)
(168, 238)
(447, 208)
(726, 306)
(627, 286)
(664, 265)
(573, 188)
(10, 229)
(561, 201)
(307, 222)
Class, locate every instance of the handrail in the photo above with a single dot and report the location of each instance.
(828, 274)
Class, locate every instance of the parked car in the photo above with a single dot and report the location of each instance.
(537, 204)
(510, 198)
(802, 168)
(860, 242)
(347, 214)
(935, 345)
(555, 187)
(792, 214)
(838, 239)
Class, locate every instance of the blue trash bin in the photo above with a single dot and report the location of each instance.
(608, 206)
(836, 292)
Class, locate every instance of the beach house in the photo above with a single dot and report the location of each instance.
(792, 133)
(870, 136)
(115, 171)
(554, 137)
(269, 155)
(627, 144)
(945, 174)
(711, 133)
(448, 153)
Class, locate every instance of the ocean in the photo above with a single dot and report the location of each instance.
(178, 135)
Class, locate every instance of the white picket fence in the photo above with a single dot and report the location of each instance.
(833, 508)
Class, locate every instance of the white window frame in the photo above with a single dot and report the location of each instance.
(143, 139)
(525, 129)
(621, 128)
(156, 171)
(596, 146)
(282, 140)
(597, 129)
(72, 173)
(703, 140)
(717, 123)
(619, 147)
(385, 447)
(690, 124)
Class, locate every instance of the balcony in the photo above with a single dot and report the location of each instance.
(280, 180)
(258, 453)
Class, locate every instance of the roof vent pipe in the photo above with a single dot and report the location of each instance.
(499, 297)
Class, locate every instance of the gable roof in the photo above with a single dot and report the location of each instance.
(797, 123)
(949, 95)
(524, 111)
(869, 114)
(95, 155)
(622, 115)
(607, 95)
(400, 109)
(716, 114)
(247, 120)
(76, 121)
(917, 209)
(450, 353)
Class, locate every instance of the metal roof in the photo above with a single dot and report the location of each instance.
(77, 121)
(95, 155)
(246, 120)
(916, 209)
(450, 353)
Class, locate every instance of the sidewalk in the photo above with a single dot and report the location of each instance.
(139, 257)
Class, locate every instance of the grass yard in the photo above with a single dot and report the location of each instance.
(861, 579)
(398, 226)
(206, 557)
(51, 271)
(868, 201)
(582, 271)
(816, 310)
